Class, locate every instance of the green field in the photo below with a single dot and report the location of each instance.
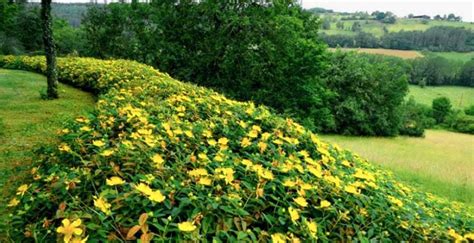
(455, 56)
(28, 120)
(461, 97)
(441, 163)
(376, 27)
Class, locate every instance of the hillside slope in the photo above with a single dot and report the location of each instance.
(172, 161)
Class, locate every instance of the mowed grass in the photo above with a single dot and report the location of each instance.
(27, 121)
(387, 52)
(441, 163)
(455, 56)
(461, 97)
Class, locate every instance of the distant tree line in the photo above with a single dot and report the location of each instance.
(437, 38)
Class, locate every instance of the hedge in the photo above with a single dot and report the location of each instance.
(163, 160)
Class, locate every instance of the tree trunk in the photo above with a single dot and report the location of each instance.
(50, 49)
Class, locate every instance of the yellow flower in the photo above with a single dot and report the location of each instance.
(186, 226)
(395, 201)
(102, 204)
(198, 172)
(301, 201)
(98, 143)
(69, 229)
(64, 147)
(278, 238)
(153, 195)
(22, 189)
(205, 181)
(223, 141)
(245, 142)
(156, 196)
(107, 152)
(13, 202)
(294, 214)
(225, 173)
(312, 228)
(144, 188)
(325, 204)
(289, 183)
(85, 129)
(114, 180)
(158, 160)
(253, 134)
(352, 189)
(262, 146)
(188, 133)
(455, 235)
(79, 240)
(212, 142)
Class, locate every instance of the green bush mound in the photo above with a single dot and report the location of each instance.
(162, 160)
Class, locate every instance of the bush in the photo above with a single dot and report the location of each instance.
(441, 107)
(469, 110)
(171, 161)
(459, 122)
(369, 91)
(414, 118)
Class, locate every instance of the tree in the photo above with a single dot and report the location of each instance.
(441, 107)
(356, 26)
(50, 50)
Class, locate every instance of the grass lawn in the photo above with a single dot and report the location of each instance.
(455, 56)
(27, 120)
(461, 97)
(441, 163)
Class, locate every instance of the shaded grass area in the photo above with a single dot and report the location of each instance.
(27, 121)
(442, 163)
(461, 97)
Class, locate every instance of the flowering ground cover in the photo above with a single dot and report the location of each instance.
(163, 160)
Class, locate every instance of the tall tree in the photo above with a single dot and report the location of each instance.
(50, 49)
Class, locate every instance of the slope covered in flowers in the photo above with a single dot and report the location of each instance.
(163, 160)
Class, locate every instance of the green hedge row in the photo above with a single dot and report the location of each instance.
(161, 160)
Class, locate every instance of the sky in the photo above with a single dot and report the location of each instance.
(463, 8)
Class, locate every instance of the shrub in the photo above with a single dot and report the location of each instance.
(172, 161)
(460, 122)
(441, 107)
(369, 91)
(469, 110)
(414, 118)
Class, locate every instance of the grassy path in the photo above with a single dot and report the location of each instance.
(441, 163)
(26, 121)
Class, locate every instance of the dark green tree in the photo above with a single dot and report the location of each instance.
(50, 49)
(441, 107)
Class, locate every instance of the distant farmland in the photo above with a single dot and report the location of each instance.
(388, 52)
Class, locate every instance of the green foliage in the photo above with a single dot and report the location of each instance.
(435, 70)
(2, 127)
(459, 122)
(469, 110)
(466, 75)
(441, 108)
(248, 51)
(415, 118)
(369, 91)
(157, 153)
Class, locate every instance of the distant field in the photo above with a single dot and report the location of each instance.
(460, 97)
(441, 163)
(376, 27)
(388, 52)
(456, 56)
